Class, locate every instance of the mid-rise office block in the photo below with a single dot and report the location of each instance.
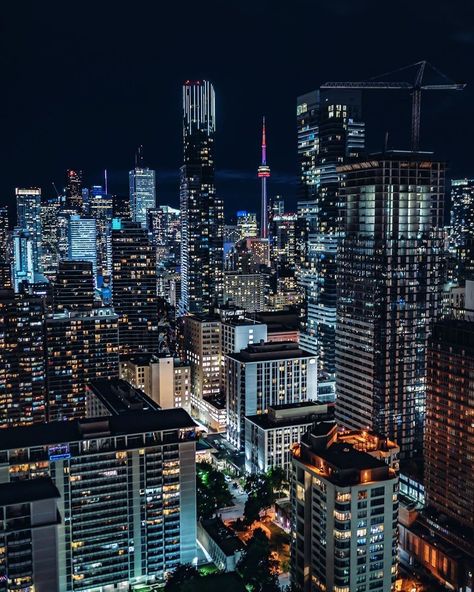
(22, 363)
(128, 494)
(263, 375)
(389, 292)
(247, 226)
(201, 345)
(344, 496)
(115, 396)
(80, 346)
(202, 211)
(134, 288)
(271, 436)
(166, 380)
(245, 290)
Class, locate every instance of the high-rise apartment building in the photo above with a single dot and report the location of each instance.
(134, 288)
(28, 215)
(82, 238)
(344, 496)
(389, 279)
(74, 286)
(127, 505)
(202, 211)
(73, 190)
(80, 346)
(462, 225)
(330, 131)
(262, 375)
(165, 228)
(449, 437)
(22, 362)
(142, 185)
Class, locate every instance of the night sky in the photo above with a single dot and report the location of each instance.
(84, 83)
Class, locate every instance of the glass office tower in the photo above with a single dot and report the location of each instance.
(202, 211)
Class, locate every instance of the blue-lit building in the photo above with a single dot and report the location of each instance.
(142, 184)
(23, 258)
(28, 213)
(82, 240)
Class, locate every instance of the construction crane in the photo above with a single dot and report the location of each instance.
(415, 88)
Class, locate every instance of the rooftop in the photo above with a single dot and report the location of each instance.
(261, 352)
(131, 422)
(119, 396)
(222, 535)
(280, 320)
(28, 490)
(292, 414)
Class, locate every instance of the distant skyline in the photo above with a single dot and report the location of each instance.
(116, 82)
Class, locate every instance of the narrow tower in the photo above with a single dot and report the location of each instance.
(263, 174)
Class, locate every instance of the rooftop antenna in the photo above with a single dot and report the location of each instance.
(106, 186)
(139, 156)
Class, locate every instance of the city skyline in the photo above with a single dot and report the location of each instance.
(148, 112)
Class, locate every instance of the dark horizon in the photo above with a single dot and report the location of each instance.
(116, 81)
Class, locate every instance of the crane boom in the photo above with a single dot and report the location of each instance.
(415, 89)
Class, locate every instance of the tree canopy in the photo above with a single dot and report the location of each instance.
(212, 491)
(258, 568)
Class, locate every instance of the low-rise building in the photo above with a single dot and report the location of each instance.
(269, 437)
(220, 543)
(114, 396)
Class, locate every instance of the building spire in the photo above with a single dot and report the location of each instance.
(139, 157)
(263, 174)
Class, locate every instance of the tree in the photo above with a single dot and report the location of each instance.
(212, 490)
(182, 579)
(260, 496)
(257, 567)
(277, 478)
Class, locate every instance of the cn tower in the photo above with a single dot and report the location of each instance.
(263, 174)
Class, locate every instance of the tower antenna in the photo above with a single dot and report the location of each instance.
(263, 173)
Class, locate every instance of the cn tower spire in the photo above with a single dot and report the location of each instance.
(263, 174)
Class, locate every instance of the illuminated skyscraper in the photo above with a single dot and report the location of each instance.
(101, 209)
(330, 131)
(83, 240)
(462, 222)
(202, 212)
(247, 224)
(142, 190)
(50, 237)
(4, 234)
(28, 213)
(74, 286)
(134, 288)
(389, 292)
(74, 201)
